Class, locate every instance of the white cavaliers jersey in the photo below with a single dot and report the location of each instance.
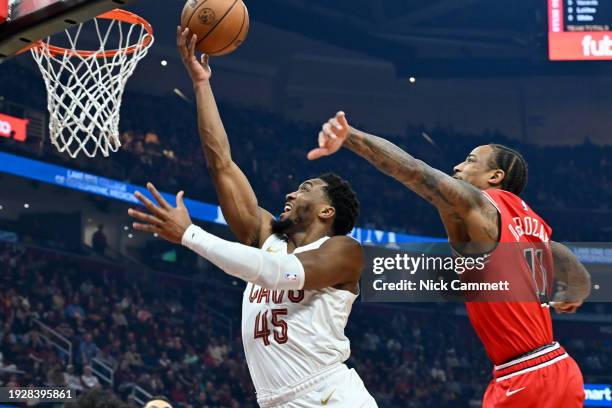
(291, 336)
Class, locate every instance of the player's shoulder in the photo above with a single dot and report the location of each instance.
(343, 243)
(346, 253)
(344, 239)
(507, 201)
(502, 197)
(497, 192)
(514, 200)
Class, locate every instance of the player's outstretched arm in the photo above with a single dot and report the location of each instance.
(573, 277)
(338, 261)
(453, 198)
(249, 222)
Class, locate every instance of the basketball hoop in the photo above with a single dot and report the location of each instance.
(85, 87)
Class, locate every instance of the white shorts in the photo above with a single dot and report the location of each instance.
(342, 389)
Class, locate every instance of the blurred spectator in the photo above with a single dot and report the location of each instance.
(98, 398)
(88, 349)
(55, 376)
(118, 316)
(164, 361)
(152, 139)
(88, 379)
(98, 240)
(86, 287)
(74, 309)
(217, 351)
(131, 359)
(71, 380)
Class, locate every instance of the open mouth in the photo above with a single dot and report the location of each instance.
(288, 207)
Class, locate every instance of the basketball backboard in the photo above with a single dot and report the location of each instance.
(28, 21)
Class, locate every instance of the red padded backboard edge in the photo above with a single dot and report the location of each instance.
(3, 10)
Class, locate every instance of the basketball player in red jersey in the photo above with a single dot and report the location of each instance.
(480, 208)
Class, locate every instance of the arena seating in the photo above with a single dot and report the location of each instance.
(181, 338)
(160, 144)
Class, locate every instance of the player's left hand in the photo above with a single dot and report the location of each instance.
(332, 136)
(167, 221)
(564, 306)
(199, 70)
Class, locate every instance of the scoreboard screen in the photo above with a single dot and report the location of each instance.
(579, 30)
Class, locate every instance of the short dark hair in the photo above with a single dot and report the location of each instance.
(513, 164)
(344, 200)
(98, 398)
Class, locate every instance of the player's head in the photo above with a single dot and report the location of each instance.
(327, 199)
(158, 402)
(494, 166)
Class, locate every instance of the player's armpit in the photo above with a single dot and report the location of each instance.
(338, 261)
(571, 274)
(476, 218)
(250, 223)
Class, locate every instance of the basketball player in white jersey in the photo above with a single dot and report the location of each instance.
(302, 270)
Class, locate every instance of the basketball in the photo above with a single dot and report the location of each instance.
(221, 25)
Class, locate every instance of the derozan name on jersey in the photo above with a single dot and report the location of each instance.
(528, 226)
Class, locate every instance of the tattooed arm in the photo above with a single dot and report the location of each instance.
(573, 278)
(447, 194)
(467, 215)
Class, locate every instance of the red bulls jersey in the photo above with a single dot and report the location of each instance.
(521, 321)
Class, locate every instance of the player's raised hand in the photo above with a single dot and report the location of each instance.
(332, 136)
(199, 70)
(167, 221)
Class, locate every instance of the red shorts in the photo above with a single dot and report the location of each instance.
(548, 378)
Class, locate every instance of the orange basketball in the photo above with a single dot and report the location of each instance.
(221, 25)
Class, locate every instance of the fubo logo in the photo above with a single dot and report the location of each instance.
(597, 48)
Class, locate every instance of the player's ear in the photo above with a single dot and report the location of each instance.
(496, 177)
(327, 212)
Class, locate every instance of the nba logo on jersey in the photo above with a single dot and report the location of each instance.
(290, 276)
(524, 206)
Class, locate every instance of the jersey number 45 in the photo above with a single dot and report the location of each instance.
(262, 328)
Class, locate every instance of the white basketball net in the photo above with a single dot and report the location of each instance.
(84, 92)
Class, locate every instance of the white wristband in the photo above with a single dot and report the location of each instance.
(268, 270)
